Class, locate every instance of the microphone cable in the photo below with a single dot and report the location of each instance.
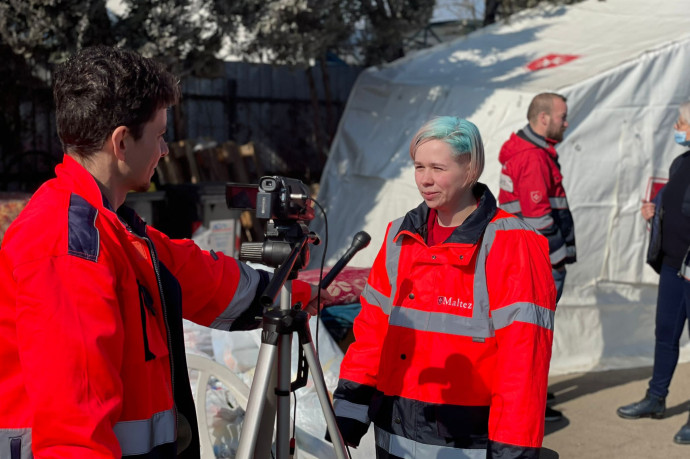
(323, 262)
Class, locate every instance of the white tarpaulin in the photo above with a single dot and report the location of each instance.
(624, 66)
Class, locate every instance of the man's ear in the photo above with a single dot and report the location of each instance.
(118, 142)
(544, 119)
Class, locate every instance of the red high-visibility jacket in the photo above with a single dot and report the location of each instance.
(453, 342)
(91, 338)
(532, 189)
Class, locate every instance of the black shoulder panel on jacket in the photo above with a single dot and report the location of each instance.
(83, 238)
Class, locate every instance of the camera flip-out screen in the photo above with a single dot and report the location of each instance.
(241, 196)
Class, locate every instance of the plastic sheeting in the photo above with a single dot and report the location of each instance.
(239, 351)
(623, 66)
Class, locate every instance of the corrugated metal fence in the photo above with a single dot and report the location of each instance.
(269, 106)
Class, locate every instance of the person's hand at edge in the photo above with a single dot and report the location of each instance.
(647, 210)
(326, 299)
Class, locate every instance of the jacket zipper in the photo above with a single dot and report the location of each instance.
(156, 271)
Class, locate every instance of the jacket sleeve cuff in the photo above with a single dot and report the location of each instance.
(498, 450)
(351, 430)
(251, 317)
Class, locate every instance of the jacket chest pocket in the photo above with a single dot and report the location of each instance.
(153, 337)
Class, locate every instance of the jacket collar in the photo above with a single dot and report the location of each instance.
(132, 220)
(528, 134)
(472, 229)
(83, 184)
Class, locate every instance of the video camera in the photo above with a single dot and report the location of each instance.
(286, 204)
(277, 198)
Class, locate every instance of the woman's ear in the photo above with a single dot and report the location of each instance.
(118, 142)
(470, 178)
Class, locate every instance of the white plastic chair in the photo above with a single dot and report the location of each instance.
(208, 368)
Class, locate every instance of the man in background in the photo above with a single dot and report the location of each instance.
(531, 185)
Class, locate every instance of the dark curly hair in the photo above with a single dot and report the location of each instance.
(101, 88)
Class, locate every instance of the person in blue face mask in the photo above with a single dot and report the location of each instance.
(680, 130)
(669, 255)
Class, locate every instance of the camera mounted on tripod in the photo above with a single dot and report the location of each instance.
(285, 204)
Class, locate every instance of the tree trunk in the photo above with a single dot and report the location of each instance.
(490, 10)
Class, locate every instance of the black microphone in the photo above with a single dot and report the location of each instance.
(360, 241)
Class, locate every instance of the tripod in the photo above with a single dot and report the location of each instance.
(271, 387)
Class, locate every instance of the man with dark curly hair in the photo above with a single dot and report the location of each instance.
(93, 298)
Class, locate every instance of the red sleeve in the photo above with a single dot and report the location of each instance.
(209, 283)
(70, 342)
(301, 292)
(522, 298)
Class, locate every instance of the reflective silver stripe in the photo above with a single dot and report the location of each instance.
(140, 437)
(345, 409)
(375, 298)
(523, 312)
(539, 222)
(506, 183)
(410, 449)
(242, 298)
(558, 255)
(481, 292)
(7, 436)
(393, 258)
(559, 203)
(512, 207)
(441, 322)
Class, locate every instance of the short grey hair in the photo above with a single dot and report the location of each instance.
(684, 111)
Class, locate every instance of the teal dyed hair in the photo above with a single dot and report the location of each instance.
(461, 135)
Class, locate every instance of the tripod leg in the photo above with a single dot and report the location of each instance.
(282, 395)
(270, 390)
(257, 409)
(322, 393)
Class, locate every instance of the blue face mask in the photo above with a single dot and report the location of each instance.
(680, 137)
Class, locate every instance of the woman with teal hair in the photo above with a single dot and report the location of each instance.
(453, 342)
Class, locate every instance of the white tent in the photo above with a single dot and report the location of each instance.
(624, 66)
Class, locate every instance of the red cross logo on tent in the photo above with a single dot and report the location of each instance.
(550, 61)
